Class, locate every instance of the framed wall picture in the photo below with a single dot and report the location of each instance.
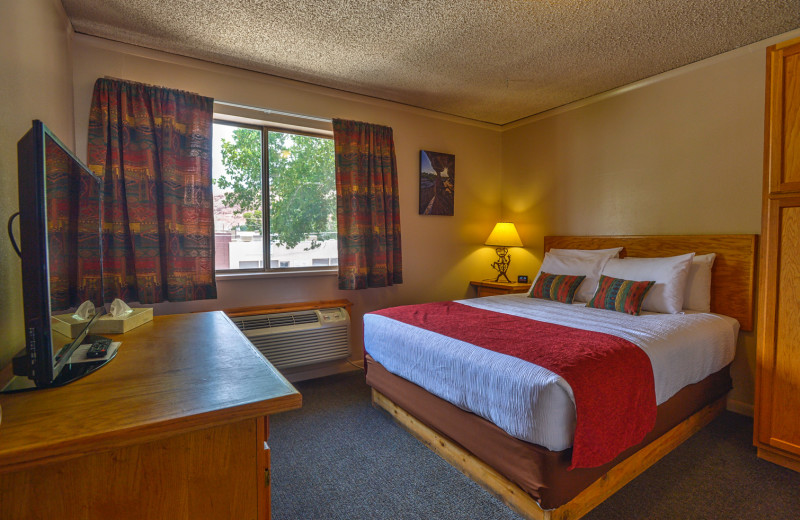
(437, 180)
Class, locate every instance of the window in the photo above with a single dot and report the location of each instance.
(293, 184)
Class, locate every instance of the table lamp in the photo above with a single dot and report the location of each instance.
(503, 236)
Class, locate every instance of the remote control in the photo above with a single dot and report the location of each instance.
(99, 348)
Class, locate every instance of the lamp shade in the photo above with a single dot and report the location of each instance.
(504, 234)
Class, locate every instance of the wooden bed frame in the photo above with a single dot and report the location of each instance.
(732, 294)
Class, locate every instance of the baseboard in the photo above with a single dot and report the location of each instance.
(740, 407)
(322, 370)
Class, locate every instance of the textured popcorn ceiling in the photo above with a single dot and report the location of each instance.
(494, 61)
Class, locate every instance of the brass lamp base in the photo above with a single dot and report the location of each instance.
(502, 263)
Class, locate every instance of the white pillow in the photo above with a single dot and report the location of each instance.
(697, 296)
(608, 253)
(581, 265)
(669, 273)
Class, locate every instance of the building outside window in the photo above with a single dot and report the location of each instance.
(292, 184)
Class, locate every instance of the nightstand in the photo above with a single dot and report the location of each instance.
(489, 288)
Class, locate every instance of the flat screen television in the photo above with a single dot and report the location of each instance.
(60, 244)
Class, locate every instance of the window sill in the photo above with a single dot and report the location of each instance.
(222, 277)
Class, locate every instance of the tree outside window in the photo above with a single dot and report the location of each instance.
(301, 204)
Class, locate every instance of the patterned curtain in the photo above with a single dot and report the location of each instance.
(367, 206)
(152, 148)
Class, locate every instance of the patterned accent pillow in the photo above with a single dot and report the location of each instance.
(620, 295)
(556, 287)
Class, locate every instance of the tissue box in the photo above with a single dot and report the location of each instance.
(108, 325)
(67, 325)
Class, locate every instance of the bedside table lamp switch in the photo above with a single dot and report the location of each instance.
(503, 236)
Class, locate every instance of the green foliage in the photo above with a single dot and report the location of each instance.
(242, 161)
(302, 187)
(252, 221)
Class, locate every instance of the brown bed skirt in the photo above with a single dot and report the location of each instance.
(540, 472)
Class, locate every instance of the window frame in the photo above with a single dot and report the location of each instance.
(267, 270)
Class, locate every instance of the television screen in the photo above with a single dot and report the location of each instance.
(60, 238)
(73, 224)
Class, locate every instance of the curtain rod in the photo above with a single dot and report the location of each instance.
(270, 111)
(238, 105)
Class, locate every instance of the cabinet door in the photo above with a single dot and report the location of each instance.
(204, 474)
(782, 152)
(779, 345)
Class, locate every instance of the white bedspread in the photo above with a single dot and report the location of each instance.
(526, 400)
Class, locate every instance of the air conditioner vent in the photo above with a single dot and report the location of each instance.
(295, 339)
(268, 321)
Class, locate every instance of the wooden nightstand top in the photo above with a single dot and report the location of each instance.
(489, 288)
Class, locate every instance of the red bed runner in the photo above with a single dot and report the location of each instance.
(611, 378)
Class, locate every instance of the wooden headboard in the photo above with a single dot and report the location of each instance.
(732, 276)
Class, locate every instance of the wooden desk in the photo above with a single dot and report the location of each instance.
(490, 288)
(175, 427)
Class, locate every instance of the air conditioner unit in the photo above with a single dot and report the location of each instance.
(293, 339)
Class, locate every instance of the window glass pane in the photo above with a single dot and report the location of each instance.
(236, 172)
(302, 199)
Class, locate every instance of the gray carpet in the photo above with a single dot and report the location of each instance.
(338, 458)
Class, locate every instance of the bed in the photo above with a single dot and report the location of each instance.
(536, 475)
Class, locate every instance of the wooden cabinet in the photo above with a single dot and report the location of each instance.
(777, 413)
(176, 426)
(488, 288)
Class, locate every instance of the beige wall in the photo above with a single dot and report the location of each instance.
(36, 71)
(440, 254)
(680, 154)
(677, 153)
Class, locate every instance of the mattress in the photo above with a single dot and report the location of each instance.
(527, 401)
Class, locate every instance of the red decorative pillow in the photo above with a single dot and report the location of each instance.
(556, 287)
(620, 295)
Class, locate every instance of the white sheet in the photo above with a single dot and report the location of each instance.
(526, 400)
